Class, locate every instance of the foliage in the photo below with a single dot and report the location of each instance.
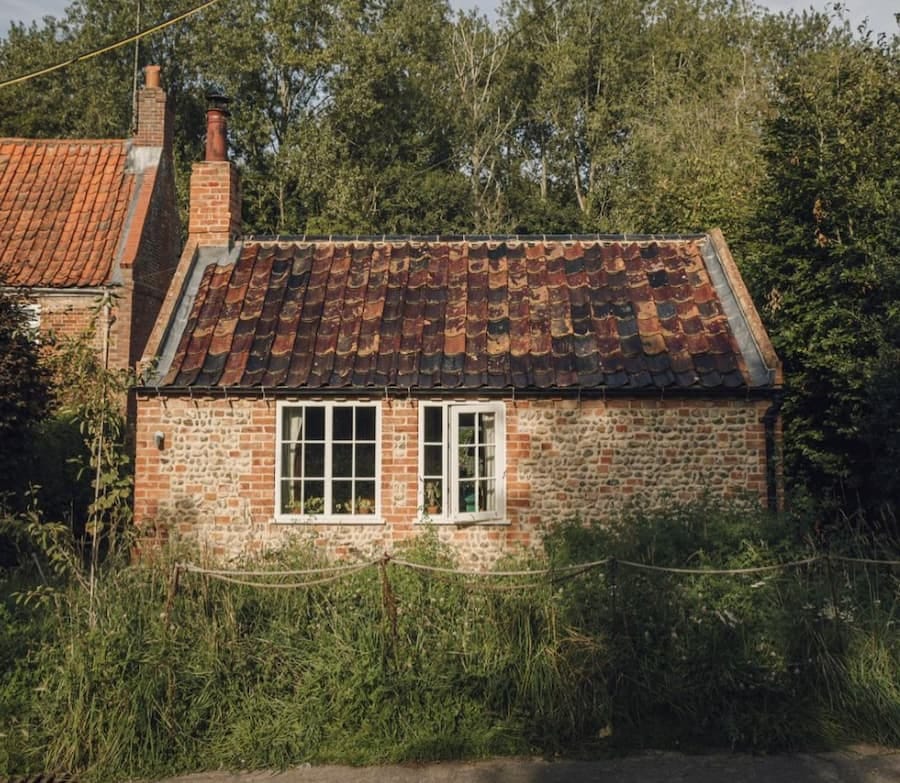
(25, 388)
(393, 117)
(74, 472)
(825, 263)
(94, 396)
(390, 664)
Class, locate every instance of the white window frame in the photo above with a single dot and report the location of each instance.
(450, 512)
(326, 518)
(33, 316)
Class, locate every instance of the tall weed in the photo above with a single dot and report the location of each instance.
(393, 664)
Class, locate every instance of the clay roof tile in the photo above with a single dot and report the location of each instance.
(539, 314)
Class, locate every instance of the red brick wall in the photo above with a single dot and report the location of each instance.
(215, 211)
(214, 479)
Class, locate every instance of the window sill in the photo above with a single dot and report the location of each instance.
(328, 519)
(462, 521)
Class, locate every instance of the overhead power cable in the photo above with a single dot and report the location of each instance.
(109, 47)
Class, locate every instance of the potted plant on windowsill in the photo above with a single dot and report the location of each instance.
(365, 505)
(432, 498)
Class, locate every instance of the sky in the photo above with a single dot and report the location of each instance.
(879, 12)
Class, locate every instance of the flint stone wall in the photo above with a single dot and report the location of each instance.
(213, 481)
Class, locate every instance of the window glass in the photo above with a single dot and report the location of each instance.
(343, 459)
(292, 424)
(365, 423)
(313, 459)
(434, 424)
(343, 423)
(315, 423)
(434, 460)
(343, 497)
(365, 460)
(365, 497)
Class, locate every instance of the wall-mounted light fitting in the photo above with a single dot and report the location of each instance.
(159, 438)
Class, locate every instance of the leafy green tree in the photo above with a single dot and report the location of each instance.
(25, 386)
(26, 395)
(826, 264)
(389, 116)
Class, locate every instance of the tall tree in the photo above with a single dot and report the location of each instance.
(826, 262)
(485, 115)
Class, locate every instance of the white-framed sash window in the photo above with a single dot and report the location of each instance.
(328, 462)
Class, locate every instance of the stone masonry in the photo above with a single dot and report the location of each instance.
(213, 480)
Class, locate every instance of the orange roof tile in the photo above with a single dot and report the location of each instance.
(62, 211)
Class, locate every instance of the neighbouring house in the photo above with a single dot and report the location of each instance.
(350, 390)
(90, 229)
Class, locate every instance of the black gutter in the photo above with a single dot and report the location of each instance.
(770, 421)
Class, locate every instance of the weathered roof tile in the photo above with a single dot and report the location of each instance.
(539, 314)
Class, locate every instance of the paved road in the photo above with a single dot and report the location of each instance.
(856, 765)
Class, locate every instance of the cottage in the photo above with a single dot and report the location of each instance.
(90, 226)
(351, 390)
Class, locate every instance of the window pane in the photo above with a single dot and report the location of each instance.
(486, 461)
(315, 459)
(342, 497)
(291, 424)
(466, 495)
(291, 497)
(365, 424)
(487, 496)
(433, 493)
(467, 461)
(486, 428)
(365, 497)
(365, 460)
(342, 459)
(434, 460)
(313, 497)
(467, 428)
(315, 423)
(343, 423)
(290, 460)
(434, 424)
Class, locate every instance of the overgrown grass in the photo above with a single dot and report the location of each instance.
(433, 666)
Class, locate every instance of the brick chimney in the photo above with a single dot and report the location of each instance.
(154, 119)
(215, 211)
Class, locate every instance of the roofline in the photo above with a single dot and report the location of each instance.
(419, 392)
(23, 140)
(28, 290)
(757, 331)
(288, 238)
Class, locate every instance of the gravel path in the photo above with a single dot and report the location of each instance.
(862, 764)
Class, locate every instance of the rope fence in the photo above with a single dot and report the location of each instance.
(329, 574)
(497, 581)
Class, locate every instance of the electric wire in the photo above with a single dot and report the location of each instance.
(109, 47)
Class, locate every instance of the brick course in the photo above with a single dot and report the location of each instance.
(214, 480)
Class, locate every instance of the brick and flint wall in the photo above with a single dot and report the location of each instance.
(213, 482)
